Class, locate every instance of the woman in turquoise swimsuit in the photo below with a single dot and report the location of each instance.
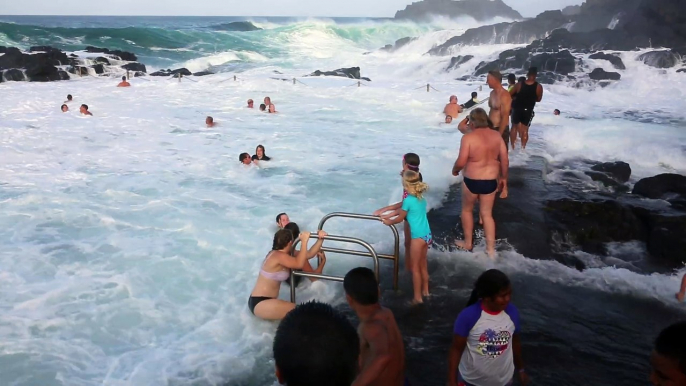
(263, 301)
(414, 211)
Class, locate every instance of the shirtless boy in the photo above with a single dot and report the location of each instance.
(382, 352)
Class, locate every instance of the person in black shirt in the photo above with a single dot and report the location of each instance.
(259, 154)
(528, 94)
(472, 102)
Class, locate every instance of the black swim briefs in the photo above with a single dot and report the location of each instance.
(523, 116)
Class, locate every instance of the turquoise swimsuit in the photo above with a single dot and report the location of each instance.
(416, 217)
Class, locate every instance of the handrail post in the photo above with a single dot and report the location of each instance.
(428, 87)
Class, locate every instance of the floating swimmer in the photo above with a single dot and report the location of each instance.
(84, 110)
(209, 121)
(244, 158)
(69, 99)
(250, 103)
(270, 106)
(64, 108)
(556, 112)
(123, 82)
(472, 102)
(282, 220)
(259, 154)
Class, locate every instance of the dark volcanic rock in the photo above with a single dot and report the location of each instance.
(608, 181)
(352, 72)
(123, 55)
(45, 72)
(203, 73)
(571, 10)
(666, 236)
(521, 32)
(614, 59)
(78, 70)
(182, 71)
(14, 75)
(600, 74)
(663, 186)
(398, 44)
(681, 70)
(602, 39)
(135, 67)
(99, 69)
(562, 62)
(592, 224)
(457, 61)
(477, 9)
(620, 171)
(660, 59)
(102, 60)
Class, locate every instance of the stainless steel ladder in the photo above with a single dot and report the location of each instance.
(371, 252)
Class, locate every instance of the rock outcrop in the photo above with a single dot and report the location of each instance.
(351, 72)
(661, 59)
(182, 71)
(600, 74)
(457, 61)
(480, 10)
(614, 59)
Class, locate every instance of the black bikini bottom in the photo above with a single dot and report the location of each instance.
(481, 186)
(253, 301)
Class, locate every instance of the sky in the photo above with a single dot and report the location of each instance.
(335, 8)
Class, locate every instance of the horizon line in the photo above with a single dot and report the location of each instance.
(349, 17)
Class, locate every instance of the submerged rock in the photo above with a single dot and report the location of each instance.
(182, 71)
(660, 59)
(398, 44)
(14, 75)
(619, 171)
(352, 72)
(663, 186)
(600, 74)
(203, 73)
(614, 59)
(135, 67)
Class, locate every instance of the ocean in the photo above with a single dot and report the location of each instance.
(130, 240)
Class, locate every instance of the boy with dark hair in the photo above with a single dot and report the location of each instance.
(316, 345)
(245, 159)
(382, 352)
(668, 360)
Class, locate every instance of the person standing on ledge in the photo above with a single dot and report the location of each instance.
(452, 108)
(123, 82)
(528, 94)
(500, 103)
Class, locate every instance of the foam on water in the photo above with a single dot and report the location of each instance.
(132, 239)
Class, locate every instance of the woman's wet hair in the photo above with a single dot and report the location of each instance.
(294, 228)
(278, 217)
(412, 182)
(264, 153)
(281, 239)
(488, 285)
(412, 161)
(478, 117)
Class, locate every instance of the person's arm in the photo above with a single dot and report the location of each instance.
(377, 338)
(315, 248)
(539, 93)
(389, 208)
(391, 214)
(397, 219)
(505, 106)
(460, 108)
(518, 360)
(463, 126)
(287, 261)
(454, 358)
(515, 89)
(462, 159)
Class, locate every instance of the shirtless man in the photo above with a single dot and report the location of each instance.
(84, 110)
(123, 82)
(528, 94)
(382, 352)
(483, 156)
(270, 106)
(250, 103)
(452, 108)
(500, 103)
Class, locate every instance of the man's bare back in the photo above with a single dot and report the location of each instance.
(380, 337)
(452, 109)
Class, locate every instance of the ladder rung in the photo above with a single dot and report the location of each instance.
(317, 276)
(356, 253)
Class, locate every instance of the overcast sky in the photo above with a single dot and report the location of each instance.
(369, 8)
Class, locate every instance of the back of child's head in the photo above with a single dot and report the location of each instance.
(361, 285)
(412, 161)
(412, 182)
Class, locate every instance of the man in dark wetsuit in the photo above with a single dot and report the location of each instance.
(528, 94)
(472, 102)
(500, 103)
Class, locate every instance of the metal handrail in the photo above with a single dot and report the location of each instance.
(344, 239)
(396, 248)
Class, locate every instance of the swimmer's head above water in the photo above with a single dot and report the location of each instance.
(283, 240)
(64, 108)
(474, 95)
(282, 220)
(250, 103)
(453, 99)
(448, 119)
(209, 121)
(556, 112)
(361, 287)
(69, 98)
(245, 159)
(263, 107)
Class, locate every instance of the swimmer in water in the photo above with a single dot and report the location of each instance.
(64, 108)
(270, 106)
(244, 158)
(69, 99)
(282, 220)
(485, 163)
(382, 351)
(84, 110)
(260, 156)
(448, 119)
(556, 112)
(209, 121)
(264, 299)
(123, 82)
(452, 108)
(250, 103)
(263, 107)
(472, 102)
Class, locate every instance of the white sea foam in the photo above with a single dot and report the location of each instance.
(132, 239)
